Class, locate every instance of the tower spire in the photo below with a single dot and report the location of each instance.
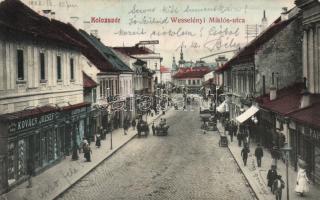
(264, 22)
(181, 54)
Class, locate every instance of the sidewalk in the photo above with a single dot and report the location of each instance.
(58, 178)
(257, 177)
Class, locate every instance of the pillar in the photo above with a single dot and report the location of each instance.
(3, 158)
(311, 60)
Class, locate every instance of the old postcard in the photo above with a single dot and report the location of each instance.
(150, 99)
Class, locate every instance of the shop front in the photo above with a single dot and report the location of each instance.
(30, 136)
(75, 121)
(308, 149)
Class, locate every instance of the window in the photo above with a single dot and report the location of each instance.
(193, 82)
(71, 69)
(42, 67)
(198, 82)
(101, 88)
(117, 86)
(59, 68)
(189, 82)
(20, 64)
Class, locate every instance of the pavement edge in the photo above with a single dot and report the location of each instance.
(106, 158)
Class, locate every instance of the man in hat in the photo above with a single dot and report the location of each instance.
(278, 186)
(258, 154)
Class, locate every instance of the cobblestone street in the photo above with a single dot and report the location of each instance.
(186, 164)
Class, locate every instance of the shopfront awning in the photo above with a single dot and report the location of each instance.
(247, 114)
(222, 107)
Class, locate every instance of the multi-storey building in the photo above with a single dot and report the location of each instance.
(153, 61)
(43, 116)
(275, 51)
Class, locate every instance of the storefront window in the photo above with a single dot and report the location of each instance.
(11, 161)
(22, 155)
(317, 164)
(36, 147)
(44, 151)
(51, 145)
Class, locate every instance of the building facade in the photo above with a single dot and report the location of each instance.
(43, 116)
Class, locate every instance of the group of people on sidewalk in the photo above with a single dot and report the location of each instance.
(274, 179)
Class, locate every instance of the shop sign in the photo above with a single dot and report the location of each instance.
(31, 122)
(314, 134)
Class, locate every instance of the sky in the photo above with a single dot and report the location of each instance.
(138, 20)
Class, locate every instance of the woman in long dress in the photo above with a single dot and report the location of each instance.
(302, 182)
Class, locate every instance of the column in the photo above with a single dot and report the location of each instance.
(2, 66)
(311, 60)
(3, 158)
(36, 61)
(305, 54)
(29, 67)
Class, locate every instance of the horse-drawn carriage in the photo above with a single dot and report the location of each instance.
(209, 120)
(162, 128)
(142, 127)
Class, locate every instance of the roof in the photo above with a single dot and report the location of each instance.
(15, 17)
(75, 106)
(135, 50)
(287, 101)
(309, 115)
(164, 69)
(110, 58)
(210, 81)
(88, 82)
(192, 72)
(246, 54)
(28, 113)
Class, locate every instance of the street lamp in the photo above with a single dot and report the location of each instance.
(111, 129)
(286, 149)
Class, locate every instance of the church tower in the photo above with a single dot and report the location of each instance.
(174, 64)
(264, 22)
(181, 61)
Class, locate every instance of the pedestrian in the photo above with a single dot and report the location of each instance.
(153, 129)
(133, 124)
(271, 176)
(125, 127)
(81, 145)
(275, 154)
(84, 143)
(258, 154)
(239, 137)
(244, 153)
(98, 140)
(87, 153)
(278, 185)
(302, 182)
(30, 171)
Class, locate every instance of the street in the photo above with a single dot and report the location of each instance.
(186, 164)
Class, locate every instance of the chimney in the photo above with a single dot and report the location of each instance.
(46, 13)
(273, 89)
(86, 26)
(53, 15)
(305, 99)
(74, 20)
(94, 32)
(284, 14)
